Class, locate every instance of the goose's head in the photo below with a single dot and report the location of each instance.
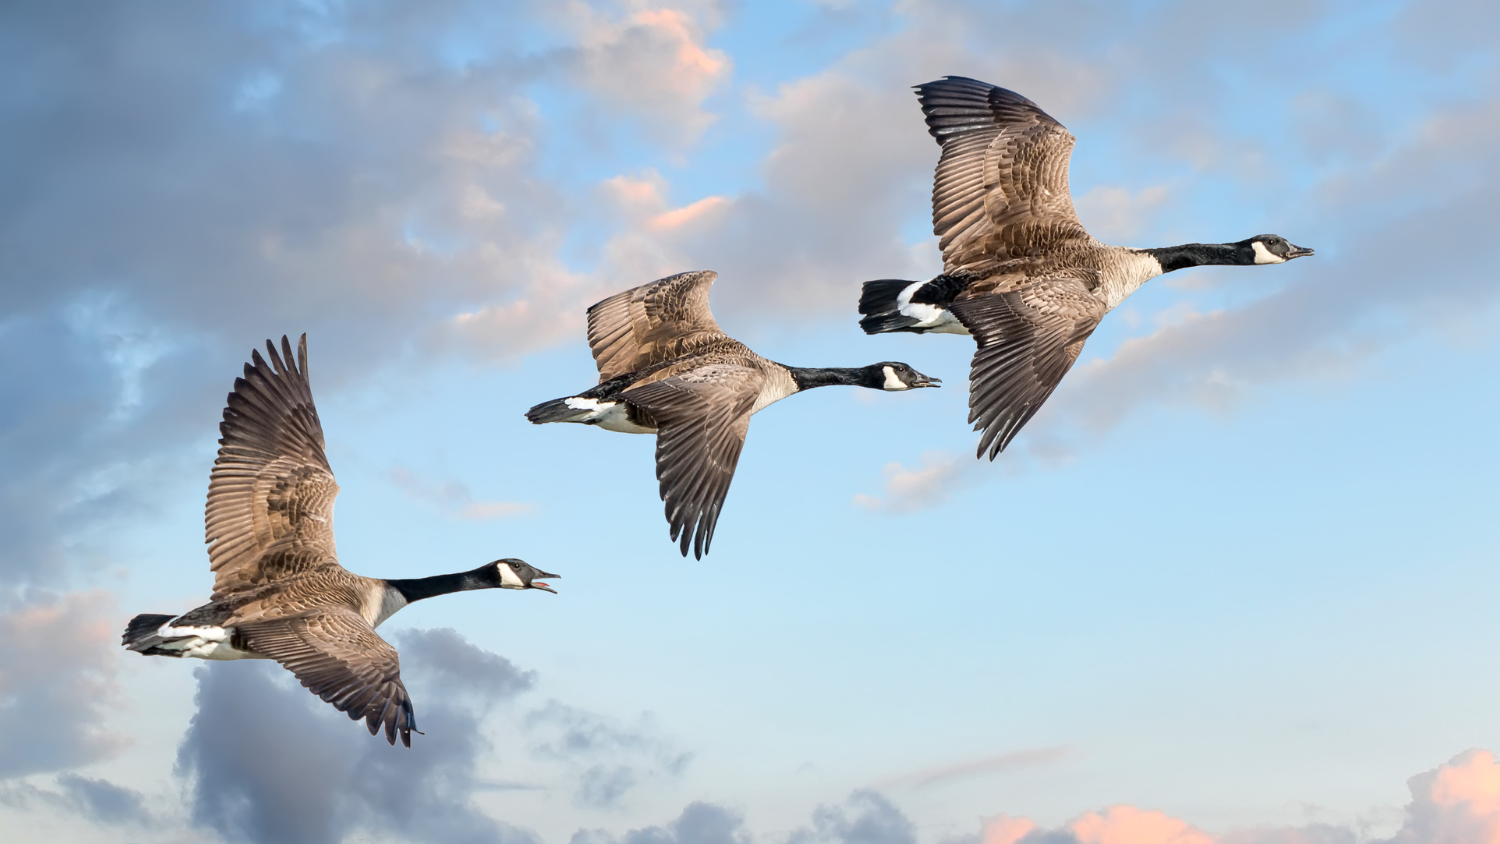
(1270, 249)
(893, 376)
(518, 574)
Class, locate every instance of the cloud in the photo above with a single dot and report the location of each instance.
(186, 180)
(1129, 825)
(607, 759)
(455, 499)
(652, 63)
(866, 817)
(57, 679)
(1115, 214)
(699, 823)
(99, 801)
(976, 767)
(908, 490)
(268, 762)
(1456, 803)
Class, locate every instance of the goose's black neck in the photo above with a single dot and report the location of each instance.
(1199, 254)
(417, 588)
(808, 377)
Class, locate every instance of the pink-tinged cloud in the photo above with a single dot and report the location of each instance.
(698, 211)
(652, 64)
(57, 679)
(1129, 825)
(693, 67)
(1004, 829)
(1458, 803)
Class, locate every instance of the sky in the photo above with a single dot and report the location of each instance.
(1234, 584)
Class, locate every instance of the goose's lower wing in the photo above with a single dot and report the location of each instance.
(340, 658)
(1028, 339)
(702, 418)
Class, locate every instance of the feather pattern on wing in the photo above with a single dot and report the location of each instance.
(703, 416)
(1001, 187)
(653, 323)
(1028, 339)
(270, 496)
(340, 658)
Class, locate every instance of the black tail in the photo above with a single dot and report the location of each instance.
(879, 296)
(878, 303)
(140, 634)
(556, 410)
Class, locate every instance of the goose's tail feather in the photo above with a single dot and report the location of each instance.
(879, 303)
(560, 410)
(141, 635)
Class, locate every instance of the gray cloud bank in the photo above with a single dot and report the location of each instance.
(264, 761)
(266, 765)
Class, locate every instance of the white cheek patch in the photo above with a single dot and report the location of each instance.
(1264, 255)
(508, 578)
(891, 381)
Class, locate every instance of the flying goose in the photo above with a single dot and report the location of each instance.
(279, 591)
(1020, 274)
(666, 368)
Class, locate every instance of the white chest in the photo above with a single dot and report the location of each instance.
(390, 600)
(1125, 274)
(779, 385)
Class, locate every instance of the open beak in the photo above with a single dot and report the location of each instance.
(1298, 252)
(929, 382)
(537, 584)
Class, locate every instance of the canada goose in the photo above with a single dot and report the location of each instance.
(279, 591)
(666, 368)
(1019, 272)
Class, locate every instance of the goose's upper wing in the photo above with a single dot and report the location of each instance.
(702, 417)
(1028, 339)
(655, 322)
(270, 497)
(340, 658)
(1001, 187)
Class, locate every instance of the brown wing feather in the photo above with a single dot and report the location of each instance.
(702, 417)
(655, 322)
(340, 658)
(1028, 339)
(1001, 187)
(270, 496)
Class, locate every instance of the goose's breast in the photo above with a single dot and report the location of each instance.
(778, 385)
(1123, 273)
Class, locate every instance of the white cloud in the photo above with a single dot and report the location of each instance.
(910, 489)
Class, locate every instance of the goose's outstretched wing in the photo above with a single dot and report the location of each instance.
(702, 417)
(653, 323)
(270, 496)
(340, 658)
(1028, 339)
(1001, 187)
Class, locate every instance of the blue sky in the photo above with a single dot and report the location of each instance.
(1233, 585)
